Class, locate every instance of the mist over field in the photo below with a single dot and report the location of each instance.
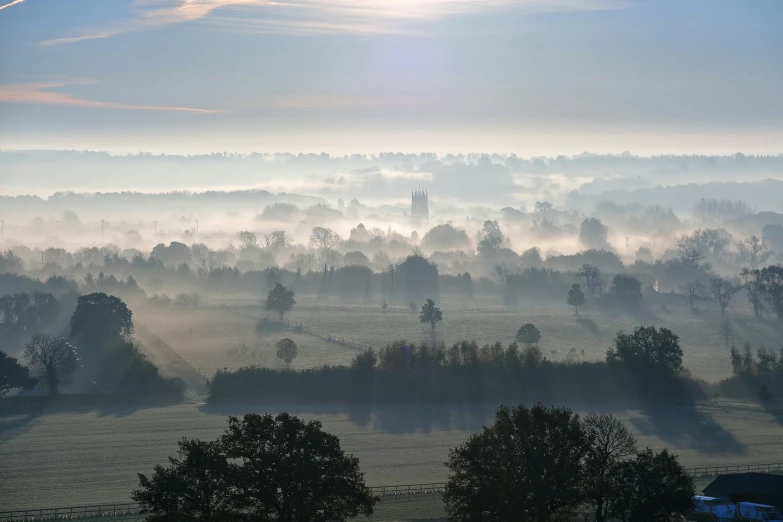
(394, 260)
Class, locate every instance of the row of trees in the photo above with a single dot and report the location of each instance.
(644, 363)
(533, 464)
(102, 328)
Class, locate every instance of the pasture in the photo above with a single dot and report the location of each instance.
(218, 337)
(93, 456)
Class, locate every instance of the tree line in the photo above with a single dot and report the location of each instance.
(103, 350)
(644, 363)
(533, 464)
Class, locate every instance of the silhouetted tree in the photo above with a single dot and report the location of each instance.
(528, 334)
(692, 290)
(280, 299)
(722, 290)
(770, 281)
(626, 289)
(294, 471)
(610, 444)
(527, 466)
(101, 320)
(490, 238)
(594, 234)
(648, 350)
(592, 278)
(576, 298)
(653, 487)
(196, 487)
(763, 394)
(51, 360)
(286, 350)
(13, 375)
(430, 314)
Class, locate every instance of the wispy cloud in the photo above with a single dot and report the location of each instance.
(12, 3)
(63, 41)
(40, 94)
(323, 16)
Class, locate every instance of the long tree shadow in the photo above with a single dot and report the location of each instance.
(16, 426)
(392, 418)
(588, 323)
(681, 424)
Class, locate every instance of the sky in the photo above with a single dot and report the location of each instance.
(534, 77)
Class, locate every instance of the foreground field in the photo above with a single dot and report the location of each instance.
(215, 338)
(88, 457)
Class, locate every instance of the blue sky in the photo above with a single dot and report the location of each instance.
(530, 76)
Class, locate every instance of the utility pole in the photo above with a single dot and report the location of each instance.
(626, 245)
(156, 227)
(102, 222)
(197, 227)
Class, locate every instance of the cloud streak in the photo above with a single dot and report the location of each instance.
(323, 16)
(9, 5)
(40, 94)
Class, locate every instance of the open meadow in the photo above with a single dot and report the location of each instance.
(225, 337)
(92, 456)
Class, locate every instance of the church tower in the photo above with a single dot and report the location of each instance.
(420, 207)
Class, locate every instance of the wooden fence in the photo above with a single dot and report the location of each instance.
(385, 493)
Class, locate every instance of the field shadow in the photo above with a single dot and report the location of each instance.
(395, 419)
(588, 323)
(681, 424)
(14, 427)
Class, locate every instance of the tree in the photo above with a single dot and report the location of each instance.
(627, 289)
(248, 240)
(528, 466)
(610, 444)
(324, 239)
(594, 234)
(750, 278)
(289, 470)
(13, 375)
(280, 299)
(51, 360)
(430, 314)
(753, 251)
(286, 350)
(653, 487)
(692, 290)
(195, 487)
(770, 281)
(528, 334)
(647, 350)
(490, 238)
(576, 298)
(764, 395)
(722, 290)
(592, 277)
(101, 320)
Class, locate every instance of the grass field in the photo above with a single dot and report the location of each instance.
(213, 337)
(85, 457)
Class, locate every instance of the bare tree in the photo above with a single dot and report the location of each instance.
(248, 239)
(611, 443)
(51, 360)
(753, 251)
(723, 290)
(324, 238)
(592, 277)
(752, 285)
(692, 290)
(275, 240)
